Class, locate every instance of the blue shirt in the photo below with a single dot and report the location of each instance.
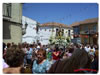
(41, 68)
(29, 54)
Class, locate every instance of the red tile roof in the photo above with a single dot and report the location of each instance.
(93, 20)
(75, 24)
(54, 24)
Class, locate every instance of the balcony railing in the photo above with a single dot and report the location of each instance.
(88, 32)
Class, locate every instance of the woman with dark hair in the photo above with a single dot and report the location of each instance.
(14, 58)
(56, 54)
(78, 60)
(8, 45)
(41, 65)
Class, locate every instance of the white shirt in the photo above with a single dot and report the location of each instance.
(87, 49)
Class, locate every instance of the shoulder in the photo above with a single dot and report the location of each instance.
(35, 61)
(11, 70)
(47, 61)
(56, 67)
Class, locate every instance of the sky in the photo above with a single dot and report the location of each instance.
(66, 13)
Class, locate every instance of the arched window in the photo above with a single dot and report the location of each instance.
(69, 33)
(57, 32)
(62, 32)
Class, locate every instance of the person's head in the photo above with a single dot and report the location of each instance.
(71, 50)
(20, 45)
(8, 45)
(61, 49)
(88, 45)
(41, 55)
(79, 59)
(39, 44)
(31, 45)
(56, 48)
(14, 57)
(92, 47)
(14, 46)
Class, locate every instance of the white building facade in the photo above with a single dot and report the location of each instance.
(48, 30)
(45, 31)
(29, 27)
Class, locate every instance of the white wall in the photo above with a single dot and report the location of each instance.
(45, 35)
(30, 35)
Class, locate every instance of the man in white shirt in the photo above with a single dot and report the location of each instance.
(87, 48)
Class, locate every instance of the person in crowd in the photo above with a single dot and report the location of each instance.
(24, 50)
(65, 56)
(94, 60)
(81, 46)
(49, 54)
(96, 47)
(41, 65)
(78, 60)
(39, 46)
(8, 45)
(55, 54)
(34, 53)
(14, 58)
(62, 52)
(20, 45)
(92, 49)
(87, 48)
(12, 43)
(5, 65)
(29, 55)
(76, 46)
(68, 53)
(4, 50)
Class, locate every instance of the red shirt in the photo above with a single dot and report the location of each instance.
(54, 55)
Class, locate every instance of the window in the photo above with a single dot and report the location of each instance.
(76, 30)
(62, 32)
(85, 40)
(94, 28)
(57, 32)
(7, 9)
(69, 33)
(85, 28)
(6, 30)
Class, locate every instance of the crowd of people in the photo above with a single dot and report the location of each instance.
(41, 59)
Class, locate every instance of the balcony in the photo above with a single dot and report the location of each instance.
(88, 32)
